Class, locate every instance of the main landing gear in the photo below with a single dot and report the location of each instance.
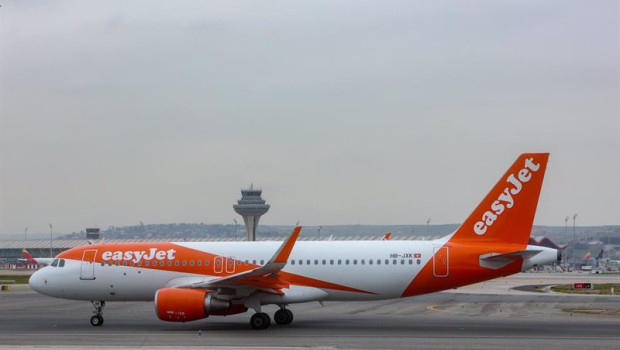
(283, 316)
(261, 320)
(97, 320)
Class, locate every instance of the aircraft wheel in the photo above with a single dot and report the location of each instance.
(260, 320)
(96, 320)
(283, 316)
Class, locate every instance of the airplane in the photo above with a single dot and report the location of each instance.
(194, 280)
(36, 261)
(386, 236)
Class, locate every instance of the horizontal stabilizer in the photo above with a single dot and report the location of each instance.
(497, 260)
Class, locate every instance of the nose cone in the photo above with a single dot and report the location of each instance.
(38, 281)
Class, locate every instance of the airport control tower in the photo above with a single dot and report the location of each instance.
(251, 206)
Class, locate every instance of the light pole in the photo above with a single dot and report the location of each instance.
(566, 233)
(574, 235)
(26, 234)
(428, 231)
(51, 240)
(319, 232)
(236, 225)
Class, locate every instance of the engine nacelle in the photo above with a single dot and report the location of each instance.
(184, 304)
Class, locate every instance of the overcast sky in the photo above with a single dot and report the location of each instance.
(344, 112)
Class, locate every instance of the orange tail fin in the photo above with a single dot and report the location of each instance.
(506, 214)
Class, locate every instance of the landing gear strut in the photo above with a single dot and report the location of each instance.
(283, 316)
(260, 320)
(97, 320)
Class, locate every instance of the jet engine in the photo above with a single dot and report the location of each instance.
(183, 304)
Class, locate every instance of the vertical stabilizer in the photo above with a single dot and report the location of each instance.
(506, 214)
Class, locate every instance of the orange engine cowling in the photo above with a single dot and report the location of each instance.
(183, 304)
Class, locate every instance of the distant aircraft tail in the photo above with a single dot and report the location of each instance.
(599, 256)
(28, 257)
(386, 236)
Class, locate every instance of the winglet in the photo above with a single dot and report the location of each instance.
(281, 256)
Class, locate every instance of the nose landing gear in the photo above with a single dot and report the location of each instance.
(97, 320)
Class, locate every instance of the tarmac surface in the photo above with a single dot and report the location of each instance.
(484, 316)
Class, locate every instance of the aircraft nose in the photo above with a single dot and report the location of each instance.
(38, 281)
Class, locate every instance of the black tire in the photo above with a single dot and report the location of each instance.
(289, 313)
(96, 321)
(260, 320)
(283, 317)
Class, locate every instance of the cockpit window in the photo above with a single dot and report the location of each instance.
(62, 263)
(55, 262)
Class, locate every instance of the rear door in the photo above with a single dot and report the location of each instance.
(441, 260)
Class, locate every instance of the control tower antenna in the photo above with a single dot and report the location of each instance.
(251, 206)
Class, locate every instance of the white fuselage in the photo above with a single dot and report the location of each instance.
(381, 268)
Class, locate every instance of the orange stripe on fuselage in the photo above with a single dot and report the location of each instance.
(164, 252)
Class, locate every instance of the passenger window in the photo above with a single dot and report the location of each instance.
(191, 263)
(102, 263)
(370, 261)
(301, 262)
(308, 262)
(199, 262)
(206, 262)
(176, 263)
(292, 262)
(418, 262)
(124, 263)
(169, 262)
(394, 262)
(253, 262)
(55, 263)
(62, 263)
(184, 263)
(229, 262)
(363, 262)
(339, 261)
(410, 261)
(323, 262)
(387, 262)
(262, 262)
(346, 262)
(331, 261)
(402, 261)
(354, 261)
(316, 262)
(378, 261)
(218, 262)
(146, 264)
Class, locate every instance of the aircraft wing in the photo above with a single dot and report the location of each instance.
(265, 276)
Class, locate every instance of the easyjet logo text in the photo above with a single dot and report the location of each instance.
(506, 199)
(136, 256)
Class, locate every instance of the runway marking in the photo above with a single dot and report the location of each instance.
(610, 312)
